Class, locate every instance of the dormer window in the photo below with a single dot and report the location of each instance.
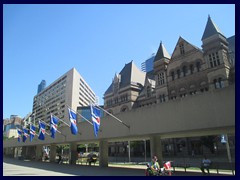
(149, 91)
(182, 51)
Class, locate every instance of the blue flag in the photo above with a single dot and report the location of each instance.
(25, 134)
(95, 119)
(41, 131)
(32, 132)
(19, 135)
(73, 120)
(53, 126)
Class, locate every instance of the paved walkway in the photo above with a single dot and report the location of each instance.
(15, 167)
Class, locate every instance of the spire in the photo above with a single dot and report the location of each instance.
(162, 53)
(211, 29)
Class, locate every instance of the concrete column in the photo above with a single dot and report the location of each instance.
(38, 153)
(156, 148)
(15, 151)
(53, 149)
(74, 154)
(103, 153)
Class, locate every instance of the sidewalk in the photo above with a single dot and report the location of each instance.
(15, 167)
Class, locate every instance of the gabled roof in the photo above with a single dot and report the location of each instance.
(130, 74)
(211, 29)
(176, 52)
(162, 53)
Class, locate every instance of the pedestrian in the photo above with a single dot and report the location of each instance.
(205, 164)
(59, 159)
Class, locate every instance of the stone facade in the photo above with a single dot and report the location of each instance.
(188, 71)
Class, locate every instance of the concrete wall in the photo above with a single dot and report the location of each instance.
(202, 114)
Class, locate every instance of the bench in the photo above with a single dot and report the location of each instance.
(214, 165)
(224, 166)
(181, 165)
(86, 160)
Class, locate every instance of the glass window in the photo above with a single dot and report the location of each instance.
(178, 73)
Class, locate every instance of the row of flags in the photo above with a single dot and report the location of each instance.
(95, 113)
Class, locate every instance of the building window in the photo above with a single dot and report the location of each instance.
(198, 65)
(172, 74)
(178, 73)
(214, 59)
(161, 78)
(162, 98)
(191, 69)
(148, 91)
(218, 83)
(182, 51)
(184, 71)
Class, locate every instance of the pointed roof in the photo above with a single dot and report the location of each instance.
(211, 29)
(162, 53)
(129, 74)
(190, 46)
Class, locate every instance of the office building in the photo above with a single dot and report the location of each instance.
(69, 90)
(147, 65)
(41, 86)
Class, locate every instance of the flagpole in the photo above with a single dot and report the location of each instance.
(45, 124)
(66, 123)
(50, 127)
(62, 121)
(30, 130)
(113, 116)
(81, 116)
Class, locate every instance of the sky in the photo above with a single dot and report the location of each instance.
(45, 41)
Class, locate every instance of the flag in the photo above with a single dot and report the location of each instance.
(19, 135)
(41, 131)
(53, 125)
(167, 165)
(73, 120)
(96, 119)
(25, 134)
(32, 132)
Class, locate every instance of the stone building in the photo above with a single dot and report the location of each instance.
(188, 71)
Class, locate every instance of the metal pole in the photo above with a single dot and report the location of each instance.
(145, 150)
(228, 149)
(129, 151)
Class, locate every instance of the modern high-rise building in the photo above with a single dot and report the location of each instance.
(147, 65)
(69, 90)
(41, 86)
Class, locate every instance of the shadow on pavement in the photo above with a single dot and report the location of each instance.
(83, 170)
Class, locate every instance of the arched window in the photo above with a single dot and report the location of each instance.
(198, 65)
(191, 68)
(184, 69)
(220, 81)
(172, 74)
(162, 98)
(216, 84)
(178, 73)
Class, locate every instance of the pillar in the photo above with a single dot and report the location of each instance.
(73, 154)
(156, 148)
(103, 153)
(53, 149)
(15, 151)
(38, 153)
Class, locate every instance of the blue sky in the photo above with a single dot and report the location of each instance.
(45, 41)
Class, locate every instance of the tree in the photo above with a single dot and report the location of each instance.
(208, 141)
